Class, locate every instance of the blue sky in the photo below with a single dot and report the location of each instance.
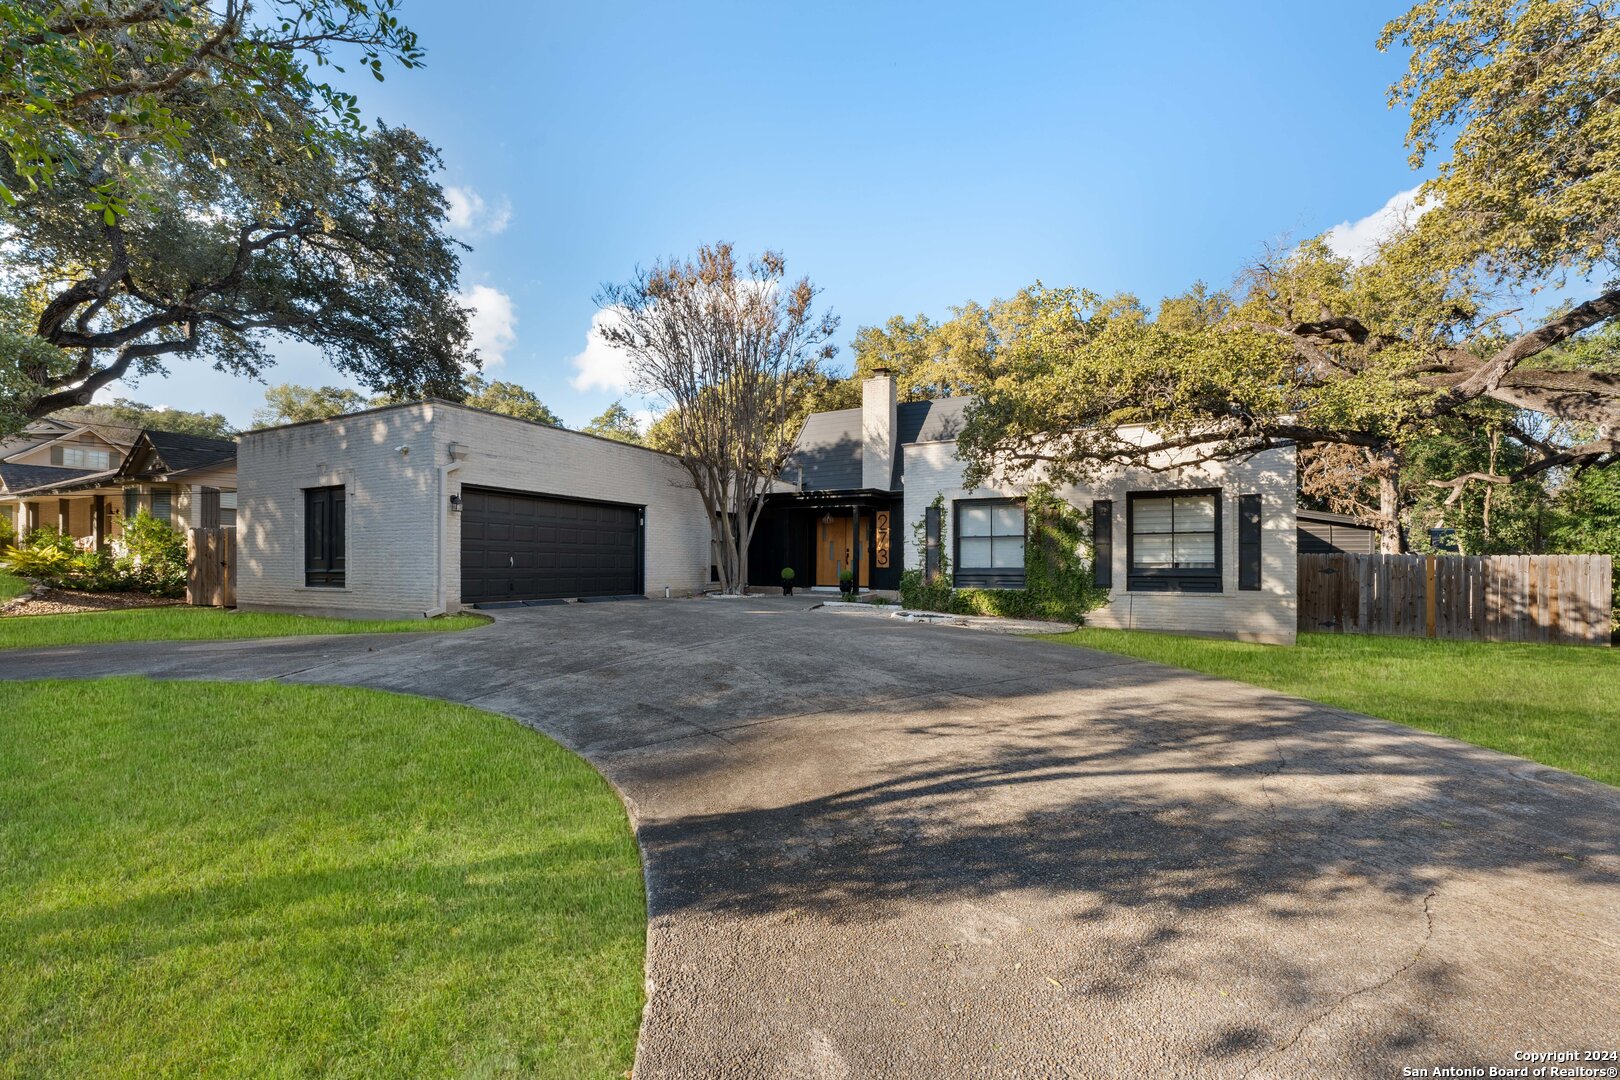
(907, 157)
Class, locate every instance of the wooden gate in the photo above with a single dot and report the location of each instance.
(211, 567)
(1558, 599)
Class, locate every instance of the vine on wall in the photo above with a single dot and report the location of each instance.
(1057, 567)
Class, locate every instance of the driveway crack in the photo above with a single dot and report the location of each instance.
(1343, 999)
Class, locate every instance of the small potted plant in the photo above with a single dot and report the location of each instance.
(846, 583)
(787, 581)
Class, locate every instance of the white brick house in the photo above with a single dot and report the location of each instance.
(425, 508)
(1201, 548)
(399, 511)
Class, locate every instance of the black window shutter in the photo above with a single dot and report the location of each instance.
(1249, 542)
(1102, 543)
(931, 544)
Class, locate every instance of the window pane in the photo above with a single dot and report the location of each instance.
(1151, 515)
(1195, 513)
(1195, 550)
(974, 554)
(1153, 551)
(1009, 553)
(973, 519)
(1008, 520)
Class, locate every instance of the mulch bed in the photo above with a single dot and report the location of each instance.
(41, 601)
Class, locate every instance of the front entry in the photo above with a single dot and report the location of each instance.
(835, 550)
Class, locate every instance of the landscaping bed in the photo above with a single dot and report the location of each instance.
(206, 879)
(48, 601)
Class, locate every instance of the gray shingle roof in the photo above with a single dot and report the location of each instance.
(16, 477)
(182, 453)
(828, 450)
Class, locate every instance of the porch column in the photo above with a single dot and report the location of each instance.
(857, 557)
(64, 521)
(98, 521)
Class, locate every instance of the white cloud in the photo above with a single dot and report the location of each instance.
(1358, 240)
(469, 213)
(600, 365)
(493, 322)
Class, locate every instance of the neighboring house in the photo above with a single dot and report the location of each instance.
(1201, 548)
(1322, 533)
(423, 508)
(84, 479)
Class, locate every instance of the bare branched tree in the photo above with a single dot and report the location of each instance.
(723, 345)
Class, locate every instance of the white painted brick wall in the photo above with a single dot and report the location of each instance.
(394, 503)
(1266, 614)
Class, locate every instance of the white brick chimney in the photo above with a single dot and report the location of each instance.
(878, 431)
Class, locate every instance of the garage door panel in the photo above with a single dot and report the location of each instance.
(536, 547)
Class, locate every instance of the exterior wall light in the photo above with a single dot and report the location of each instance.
(455, 504)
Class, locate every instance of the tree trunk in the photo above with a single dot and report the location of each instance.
(1391, 537)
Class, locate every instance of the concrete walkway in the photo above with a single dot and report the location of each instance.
(878, 849)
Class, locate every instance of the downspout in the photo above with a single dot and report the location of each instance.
(440, 539)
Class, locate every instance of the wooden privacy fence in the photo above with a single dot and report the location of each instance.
(211, 567)
(1562, 599)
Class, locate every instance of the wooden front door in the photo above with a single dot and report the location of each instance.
(835, 550)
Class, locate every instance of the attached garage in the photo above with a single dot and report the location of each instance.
(435, 506)
(523, 546)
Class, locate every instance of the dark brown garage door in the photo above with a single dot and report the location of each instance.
(538, 547)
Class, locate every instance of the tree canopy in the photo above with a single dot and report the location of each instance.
(1362, 362)
(289, 403)
(246, 204)
(615, 422)
(509, 399)
(97, 89)
(723, 343)
(158, 417)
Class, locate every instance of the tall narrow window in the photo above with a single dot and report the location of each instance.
(990, 544)
(1249, 542)
(163, 505)
(323, 537)
(1175, 541)
(1102, 543)
(132, 502)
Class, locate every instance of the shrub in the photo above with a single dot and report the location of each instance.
(787, 573)
(150, 556)
(63, 567)
(156, 559)
(8, 533)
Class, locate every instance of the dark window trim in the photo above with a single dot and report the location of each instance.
(984, 577)
(1191, 580)
(325, 558)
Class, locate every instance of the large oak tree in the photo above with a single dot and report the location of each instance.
(181, 188)
(1369, 357)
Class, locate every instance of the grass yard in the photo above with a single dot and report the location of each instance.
(202, 879)
(11, 586)
(1559, 705)
(199, 624)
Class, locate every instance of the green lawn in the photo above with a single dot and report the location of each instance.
(195, 624)
(201, 879)
(1559, 705)
(11, 586)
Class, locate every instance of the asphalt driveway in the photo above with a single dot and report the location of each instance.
(876, 849)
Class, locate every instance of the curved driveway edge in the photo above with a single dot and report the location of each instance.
(882, 849)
